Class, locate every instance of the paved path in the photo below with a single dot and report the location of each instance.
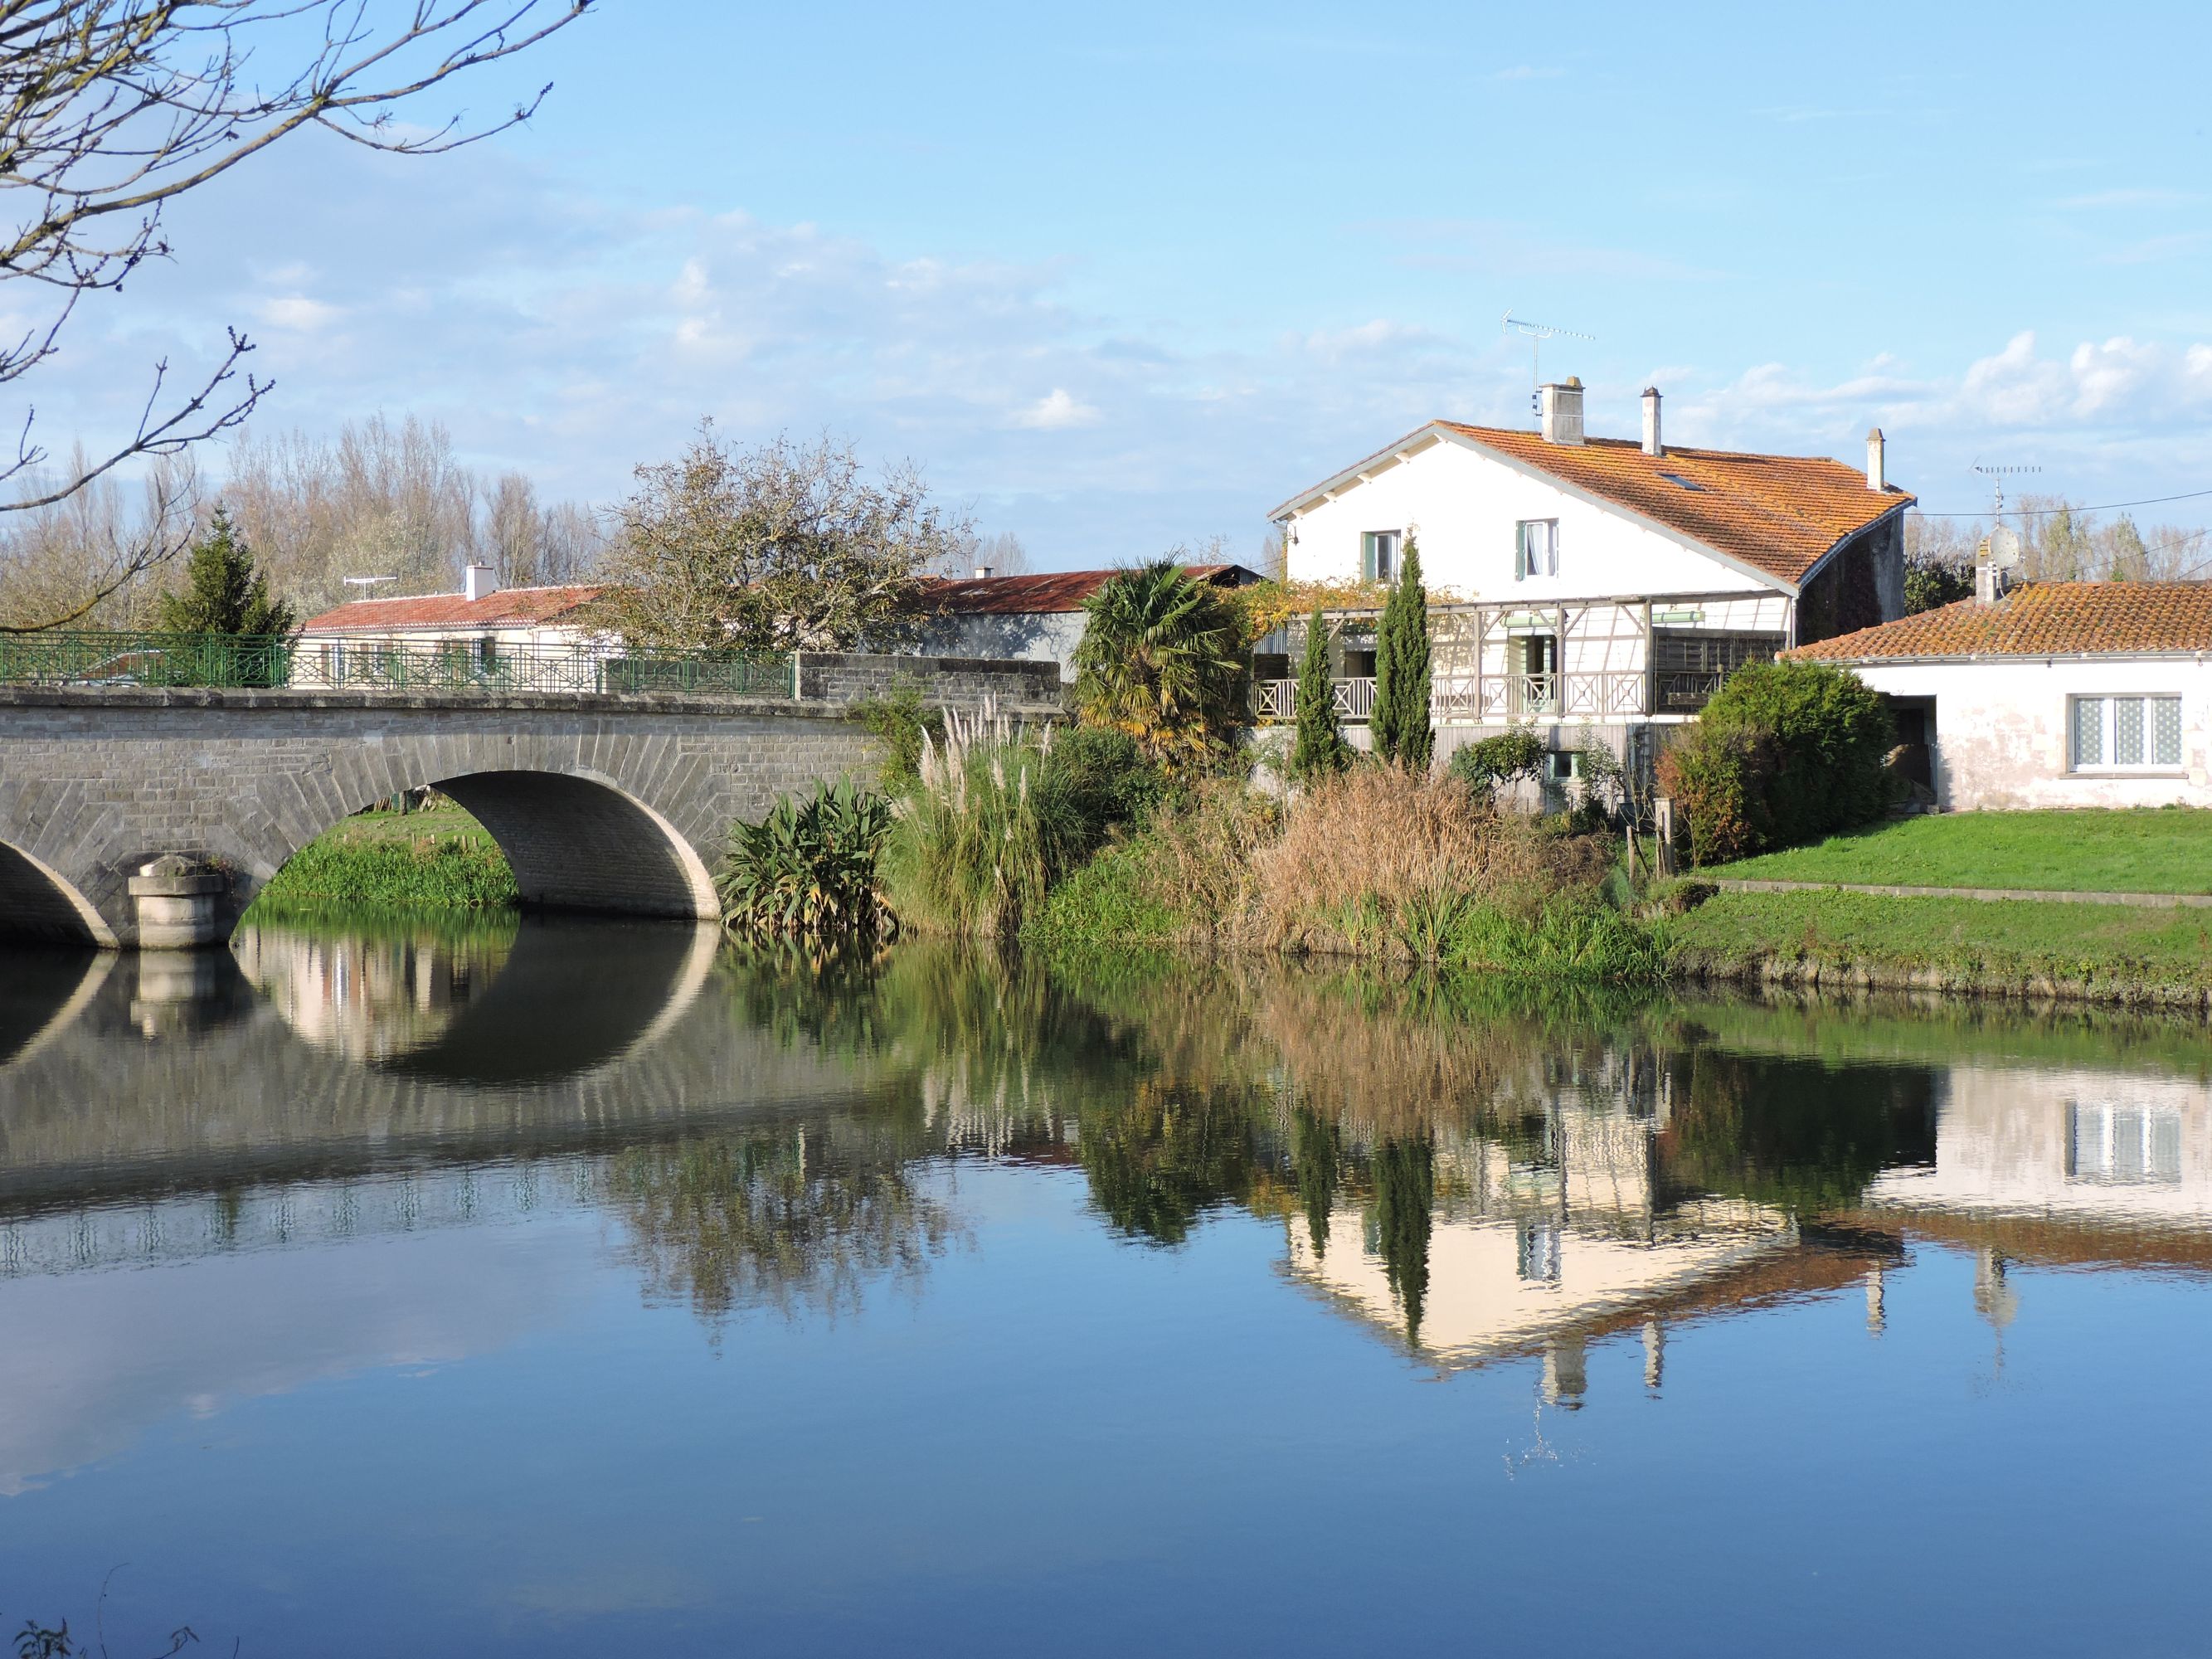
(2140, 901)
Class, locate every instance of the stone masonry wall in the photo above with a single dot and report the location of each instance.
(609, 804)
(962, 682)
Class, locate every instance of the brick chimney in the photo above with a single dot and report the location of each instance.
(1877, 468)
(1652, 444)
(1563, 412)
(478, 583)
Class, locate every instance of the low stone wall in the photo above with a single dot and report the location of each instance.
(962, 681)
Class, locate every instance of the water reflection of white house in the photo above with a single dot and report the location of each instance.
(1536, 1248)
(367, 998)
(2091, 1152)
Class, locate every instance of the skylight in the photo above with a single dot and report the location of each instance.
(1676, 479)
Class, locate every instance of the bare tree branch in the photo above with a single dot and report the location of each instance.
(111, 109)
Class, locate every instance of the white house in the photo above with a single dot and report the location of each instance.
(483, 626)
(1598, 580)
(2056, 694)
(1038, 618)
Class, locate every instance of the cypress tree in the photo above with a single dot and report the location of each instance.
(1320, 748)
(1400, 723)
(223, 592)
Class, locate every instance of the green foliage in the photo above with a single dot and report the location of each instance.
(1400, 723)
(1511, 757)
(1320, 748)
(1787, 752)
(1108, 778)
(462, 872)
(1932, 583)
(1405, 1204)
(904, 724)
(225, 595)
(809, 868)
(986, 829)
(1161, 657)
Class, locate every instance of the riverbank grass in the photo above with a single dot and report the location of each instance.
(2157, 849)
(440, 858)
(2007, 946)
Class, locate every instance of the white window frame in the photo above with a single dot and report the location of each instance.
(1378, 554)
(2107, 735)
(1523, 566)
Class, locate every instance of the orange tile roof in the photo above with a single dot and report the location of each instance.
(1781, 514)
(1050, 592)
(511, 607)
(2043, 619)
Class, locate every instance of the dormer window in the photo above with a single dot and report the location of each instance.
(1536, 548)
(1378, 555)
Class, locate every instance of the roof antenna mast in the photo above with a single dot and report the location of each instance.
(1997, 475)
(1538, 333)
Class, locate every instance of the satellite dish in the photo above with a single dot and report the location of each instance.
(2005, 547)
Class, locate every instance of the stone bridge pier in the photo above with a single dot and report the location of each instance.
(617, 804)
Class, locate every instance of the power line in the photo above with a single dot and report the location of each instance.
(2041, 512)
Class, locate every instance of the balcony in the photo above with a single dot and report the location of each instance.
(1605, 695)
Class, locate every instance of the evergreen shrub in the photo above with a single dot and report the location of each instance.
(1786, 753)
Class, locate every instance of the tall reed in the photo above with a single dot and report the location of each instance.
(988, 827)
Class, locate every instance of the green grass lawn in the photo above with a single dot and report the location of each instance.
(2157, 849)
(1997, 943)
(439, 859)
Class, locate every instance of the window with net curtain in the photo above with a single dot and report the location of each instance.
(1536, 548)
(2120, 733)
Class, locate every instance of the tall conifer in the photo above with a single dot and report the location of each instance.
(223, 592)
(1401, 721)
(1320, 748)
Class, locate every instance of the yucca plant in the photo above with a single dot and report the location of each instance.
(809, 868)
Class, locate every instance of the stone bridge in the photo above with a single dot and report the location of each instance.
(613, 804)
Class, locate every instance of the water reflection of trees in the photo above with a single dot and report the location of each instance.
(783, 1219)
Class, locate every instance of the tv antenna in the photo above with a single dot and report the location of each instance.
(367, 581)
(1997, 475)
(1538, 333)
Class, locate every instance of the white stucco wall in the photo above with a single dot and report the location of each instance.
(2001, 729)
(1464, 505)
(1046, 636)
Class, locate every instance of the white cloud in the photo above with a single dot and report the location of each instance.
(297, 313)
(1056, 412)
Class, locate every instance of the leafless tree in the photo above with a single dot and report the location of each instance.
(530, 546)
(1001, 553)
(88, 541)
(111, 109)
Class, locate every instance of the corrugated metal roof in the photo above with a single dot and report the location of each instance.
(1050, 591)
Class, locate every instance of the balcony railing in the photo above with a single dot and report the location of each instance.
(216, 659)
(1609, 694)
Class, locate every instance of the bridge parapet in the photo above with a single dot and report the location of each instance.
(619, 802)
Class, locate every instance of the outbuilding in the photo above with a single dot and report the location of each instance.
(2055, 694)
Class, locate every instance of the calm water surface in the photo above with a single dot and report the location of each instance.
(571, 1290)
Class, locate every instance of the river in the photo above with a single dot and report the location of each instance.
(557, 1289)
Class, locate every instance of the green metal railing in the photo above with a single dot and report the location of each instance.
(360, 664)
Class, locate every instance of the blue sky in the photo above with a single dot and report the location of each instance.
(1122, 278)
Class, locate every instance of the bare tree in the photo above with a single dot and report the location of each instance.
(531, 546)
(776, 548)
(1000, 553)
(111, 109)
(87, 542)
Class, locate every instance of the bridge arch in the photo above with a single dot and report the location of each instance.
(36, 901)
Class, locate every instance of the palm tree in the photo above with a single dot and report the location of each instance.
(1162, 659)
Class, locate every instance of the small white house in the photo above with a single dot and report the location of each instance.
(1592, 581)
(2056, 694)
(1035, 618)
(485, 625)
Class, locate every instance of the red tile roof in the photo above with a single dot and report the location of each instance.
(1781, 514)
(2043, 619)
(511, 607)
(1050, 592)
